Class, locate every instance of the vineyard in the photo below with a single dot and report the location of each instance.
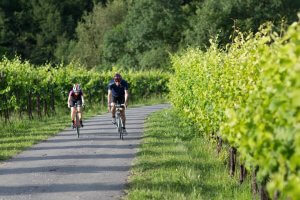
(26, 89)
(248, 96)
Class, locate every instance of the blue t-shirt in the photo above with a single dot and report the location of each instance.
(118, 91)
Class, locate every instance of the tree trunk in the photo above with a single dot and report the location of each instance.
(232, 160)
(45, 107)
(263, 192)
(29, 106)
(6, 115)
(20, 114)
(52, 101)
(254, 183)
(243, 173)
(38, 105)
(5, 110)
(19, 102)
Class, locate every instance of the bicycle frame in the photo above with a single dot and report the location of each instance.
(119, 122)
(77, 121)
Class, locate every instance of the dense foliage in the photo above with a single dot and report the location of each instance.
(25, 88)
(131, 34)
(87, 49)
(32, 29)
(150, 30)
(249, 95)
(219, 18)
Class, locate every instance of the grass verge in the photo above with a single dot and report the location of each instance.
(20, 134)
(171, 164)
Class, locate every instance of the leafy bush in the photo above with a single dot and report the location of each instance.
(26, 88)
(248, 95)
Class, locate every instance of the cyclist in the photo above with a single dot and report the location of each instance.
(117, 94)
(76, 96)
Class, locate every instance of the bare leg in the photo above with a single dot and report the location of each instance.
(73, 113)
(113, 110)
(79, 113)
(123, 117)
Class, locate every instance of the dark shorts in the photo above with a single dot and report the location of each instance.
(73, 101)
(118, 100)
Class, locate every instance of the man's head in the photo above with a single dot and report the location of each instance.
(117, 78)
(76, 89)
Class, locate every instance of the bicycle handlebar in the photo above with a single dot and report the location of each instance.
(120, 106)
(75, 105)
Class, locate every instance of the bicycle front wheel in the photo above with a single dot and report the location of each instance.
(77, 130)
(119, 125)
(77, 125)
(121, 130)
(122, 134)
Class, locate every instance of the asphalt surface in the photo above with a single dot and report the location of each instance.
(94, 166)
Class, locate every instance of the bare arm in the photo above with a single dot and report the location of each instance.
(109, 98)
(82, 99)
(126, 97)
(69, 100)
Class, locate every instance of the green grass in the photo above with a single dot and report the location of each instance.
(145, 101)
(171, 165)
(20, 134)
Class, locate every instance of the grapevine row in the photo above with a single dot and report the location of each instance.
(28, 89)
(248, 95)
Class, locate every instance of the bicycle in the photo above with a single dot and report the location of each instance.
(77, 124)
(119, 122)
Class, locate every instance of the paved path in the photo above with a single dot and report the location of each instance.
(94, 166)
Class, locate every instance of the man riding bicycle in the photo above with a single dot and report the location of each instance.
(76, 96)
(117, 94)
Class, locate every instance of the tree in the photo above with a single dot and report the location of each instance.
(114, 49)
(217, 18)
(91, 30)
(48, 26)
(152, 27)
(15, 37)
(32, 29)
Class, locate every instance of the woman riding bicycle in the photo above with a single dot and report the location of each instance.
(76, 96)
